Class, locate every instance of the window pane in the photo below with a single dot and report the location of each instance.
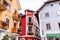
(58, 13)
(30, 28)
(7, 21)
(48, 26)
(29, 19)
(47, 14)
(59, 25)
(14, 23)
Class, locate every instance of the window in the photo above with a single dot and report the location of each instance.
(47, 14)
(59, 3)
(59, 25)
(9, 7)
(42, 32)
(7, 21)
(20, 29)
(14, 23)
(48, 26)
(58, 13)
(30, 28)
(29, 19)
(5, 3)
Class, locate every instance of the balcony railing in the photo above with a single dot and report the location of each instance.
(15, 17)
(0, 24)
(30, 33)
(30, 23)
(3, 5)
(14, 30)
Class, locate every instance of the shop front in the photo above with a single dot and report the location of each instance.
(53, 36)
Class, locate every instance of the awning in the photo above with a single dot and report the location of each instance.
(53, 35)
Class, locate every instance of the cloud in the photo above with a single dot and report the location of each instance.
(31, 4)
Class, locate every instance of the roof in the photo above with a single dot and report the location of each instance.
(22, 15)
(29, 10)
(45, 4)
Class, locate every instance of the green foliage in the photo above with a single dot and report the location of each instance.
(6, 37)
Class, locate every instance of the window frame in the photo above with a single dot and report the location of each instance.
(48, 26)
(46, 14)
(29, 28)
(59, 25)
(28, 19)
(58, 13)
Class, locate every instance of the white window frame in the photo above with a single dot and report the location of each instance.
(58, 13)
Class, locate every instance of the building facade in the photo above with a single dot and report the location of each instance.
(9, 18)
(49, 19)
(29, 27)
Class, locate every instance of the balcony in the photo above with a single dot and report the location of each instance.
(3, 25)
(3, 5)
(14, 30)
(15, 17)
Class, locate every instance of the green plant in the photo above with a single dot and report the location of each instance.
(6, 37)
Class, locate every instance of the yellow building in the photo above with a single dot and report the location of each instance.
(9, 16)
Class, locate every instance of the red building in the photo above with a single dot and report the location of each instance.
(29, 27)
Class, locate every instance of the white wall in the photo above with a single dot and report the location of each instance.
(53, 19)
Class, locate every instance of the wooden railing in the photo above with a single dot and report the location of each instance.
(14, 30)
(15, 17)
(3, 5)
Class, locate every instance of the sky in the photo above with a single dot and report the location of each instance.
(30, 4)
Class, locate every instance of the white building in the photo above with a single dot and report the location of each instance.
(49, 19)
